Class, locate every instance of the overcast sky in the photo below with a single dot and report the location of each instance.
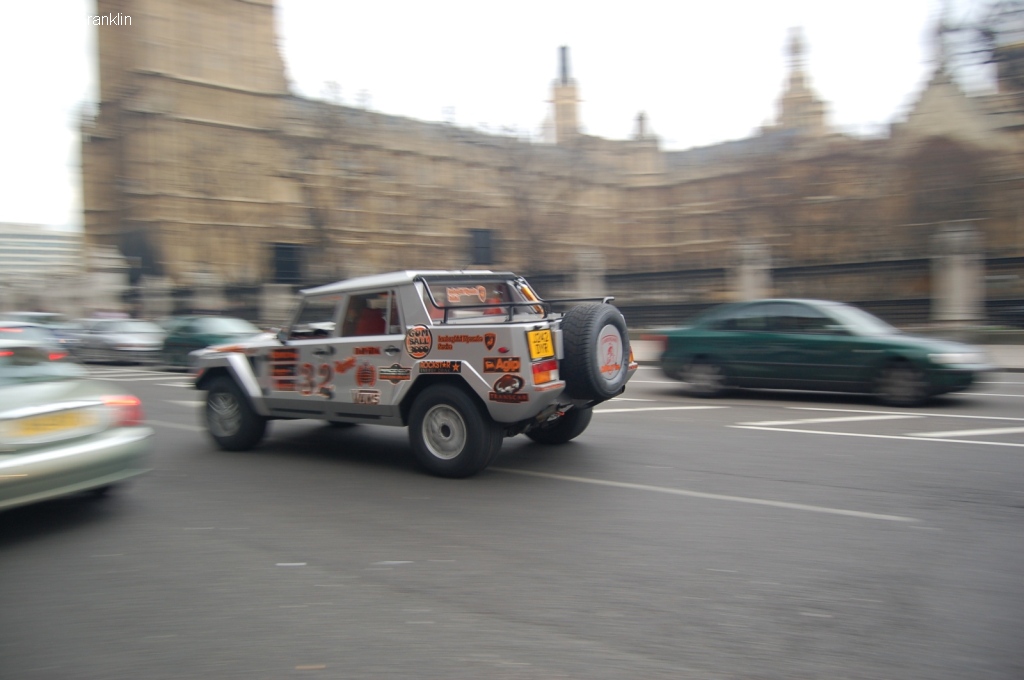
(703, 72)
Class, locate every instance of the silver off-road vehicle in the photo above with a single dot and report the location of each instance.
(463, 358)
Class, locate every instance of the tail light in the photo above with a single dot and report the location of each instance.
(127, 408)
(545, 371)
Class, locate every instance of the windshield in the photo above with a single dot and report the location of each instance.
(34, 333)
(131, 326)
(860, 322)
(229, 326)
(23, 364)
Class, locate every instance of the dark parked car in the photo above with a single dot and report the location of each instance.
(814, 345)
(62, 433)
(187, 334)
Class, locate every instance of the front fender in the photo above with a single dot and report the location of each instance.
(234, 364)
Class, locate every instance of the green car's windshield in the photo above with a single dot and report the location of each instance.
(229, 326)
(860, 322)
(24, 363)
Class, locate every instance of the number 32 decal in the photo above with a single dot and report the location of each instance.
(316, 380)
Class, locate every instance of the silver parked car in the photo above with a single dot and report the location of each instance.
(61, 432)
(121, 341)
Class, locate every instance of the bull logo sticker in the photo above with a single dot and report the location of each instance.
(610, 351)
(419, 341)
(506, 390)
(489, 340)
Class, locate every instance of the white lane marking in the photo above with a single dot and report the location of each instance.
(842, 419)
(995, 382)
(969, 433)
(655, 408)
(629, 399)
(188, 384)
(986, 394)
(709, 496)
(291, 564)
(656, 382)
(877, 436)
(175, 426)
(195, 404)
(906, 413)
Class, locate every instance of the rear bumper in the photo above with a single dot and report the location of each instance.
(63, 469)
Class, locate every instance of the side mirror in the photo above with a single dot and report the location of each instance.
(282, 336)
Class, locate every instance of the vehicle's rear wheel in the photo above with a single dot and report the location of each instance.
(704, 377)
(563, 429)
(451, 434)
(596, 363)
(230, 419)
(900, 384)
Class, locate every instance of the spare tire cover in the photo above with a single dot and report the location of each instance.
(596, 344)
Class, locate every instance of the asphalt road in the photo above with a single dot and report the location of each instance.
(759, 536)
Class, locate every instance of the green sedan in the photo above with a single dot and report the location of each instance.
(62, 433)
(814, 345)
(189, 333)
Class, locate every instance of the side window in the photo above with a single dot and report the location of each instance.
(798, 318)
(752, 318)
(317, 318)
(371, 314)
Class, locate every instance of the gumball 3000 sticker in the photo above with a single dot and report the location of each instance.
(418, 342)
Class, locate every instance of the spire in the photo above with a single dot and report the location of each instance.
(566, 100)
(799, 106)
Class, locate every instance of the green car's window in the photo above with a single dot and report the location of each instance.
(791, 317)
(746, 319)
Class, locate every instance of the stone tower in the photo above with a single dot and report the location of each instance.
(799, 106)
(177, 163)
(565, 97)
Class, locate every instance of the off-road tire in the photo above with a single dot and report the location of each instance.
(451, 433)
(230, 418)
(596, 343)
(564, 429)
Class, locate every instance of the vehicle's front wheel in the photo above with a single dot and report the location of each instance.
(451, 434)
(230, 419)
(900, 384)
(705, 378)
(563, 429)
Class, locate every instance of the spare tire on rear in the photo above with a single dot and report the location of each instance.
(596, 344)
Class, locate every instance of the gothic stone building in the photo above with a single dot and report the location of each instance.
(204, 169)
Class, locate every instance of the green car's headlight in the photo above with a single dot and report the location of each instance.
(952, 358)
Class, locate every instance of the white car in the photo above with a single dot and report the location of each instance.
(461, 358)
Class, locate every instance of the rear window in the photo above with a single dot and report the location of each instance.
(23, 364)
(478, 300)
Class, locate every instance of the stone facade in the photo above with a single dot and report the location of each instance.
(205, 170)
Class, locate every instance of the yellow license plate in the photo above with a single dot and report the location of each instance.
(51, 423)
(541, 344)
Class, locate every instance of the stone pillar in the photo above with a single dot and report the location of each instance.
(752, 275)
(590, 267)
(958, 276)
(208, 293)
(107, 281)
(155, 297)
(277, 303)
